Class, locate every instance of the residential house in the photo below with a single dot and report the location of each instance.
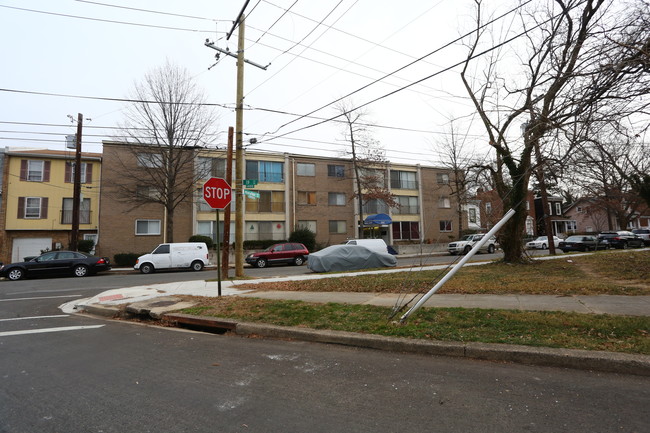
(560, 223)
(592, 217)
(37, 201)
(491, 210)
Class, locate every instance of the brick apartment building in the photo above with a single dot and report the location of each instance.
(295, 191)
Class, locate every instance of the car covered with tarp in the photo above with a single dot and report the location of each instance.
(348, 258)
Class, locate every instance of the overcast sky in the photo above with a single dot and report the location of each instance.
(319, 51)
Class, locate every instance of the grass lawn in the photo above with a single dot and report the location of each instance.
(602, 273)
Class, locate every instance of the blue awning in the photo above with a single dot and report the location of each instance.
(380, 219)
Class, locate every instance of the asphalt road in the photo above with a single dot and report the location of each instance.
(120, 377)
(71, 373)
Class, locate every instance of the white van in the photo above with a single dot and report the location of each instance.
(192, 255)
(371, 244)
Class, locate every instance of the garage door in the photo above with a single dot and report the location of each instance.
(23, 247)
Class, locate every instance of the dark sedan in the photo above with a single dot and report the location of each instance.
(55, 263)
(621, 239)
(579, 243)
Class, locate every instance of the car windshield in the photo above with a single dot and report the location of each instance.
(542, 238)
(574, 238)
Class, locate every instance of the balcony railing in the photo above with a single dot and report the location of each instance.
(403, 184)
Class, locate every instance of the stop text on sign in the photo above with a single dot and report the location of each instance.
(218, 193)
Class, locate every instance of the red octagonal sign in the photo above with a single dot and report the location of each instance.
(217, 193)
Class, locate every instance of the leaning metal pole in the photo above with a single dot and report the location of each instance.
(458, 265)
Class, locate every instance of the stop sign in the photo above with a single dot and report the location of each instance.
(217, 193)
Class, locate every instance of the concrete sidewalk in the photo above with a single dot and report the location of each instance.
(157, 301)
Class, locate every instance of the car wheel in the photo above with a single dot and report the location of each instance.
(146, 268)
(298, 261)
(261, 263)
(80, 271)
(543, 246)
(491, 249)
(466, 250)
(15, 274)
(624, 246)
(197, 266)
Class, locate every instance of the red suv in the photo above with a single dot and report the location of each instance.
(288, 253)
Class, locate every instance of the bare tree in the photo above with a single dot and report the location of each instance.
(456, 158)
(164, 129)
(368, 158)
(578, 67)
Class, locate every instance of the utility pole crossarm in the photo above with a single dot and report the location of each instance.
(228, 53)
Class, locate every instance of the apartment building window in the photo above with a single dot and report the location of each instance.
(558, 209)
(471, 212)
(86, 172)
(337, 226)
(444, 202)
(34, 170)
(373, 177)
(445, 225)
(408, 205)
(442, 178)
(403, 179)
(488, 208)
(210, 167)
(32, 207)
(527, 205)
(550, 208)
(84, 211)
(334, 170)
(406, 230)
(265, 171)
(336, 199)
(374, 206)
(269, 201)
(305, 169)
(307, 224)
(147, 193)
(307, 198)
(147, 227)
(149, 160)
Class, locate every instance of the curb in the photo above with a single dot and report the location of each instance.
(609, 362)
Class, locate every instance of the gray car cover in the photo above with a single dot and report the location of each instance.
(348, 257)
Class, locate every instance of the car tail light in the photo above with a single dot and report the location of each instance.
(101, 261)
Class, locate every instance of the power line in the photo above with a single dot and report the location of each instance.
(107, 21)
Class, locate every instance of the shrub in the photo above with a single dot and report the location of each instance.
(305, 237)
(201, 238)
(85, 245)
(125, 259)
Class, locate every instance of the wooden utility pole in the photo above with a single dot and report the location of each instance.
(239, 156)
(226, 218)
(76, 196)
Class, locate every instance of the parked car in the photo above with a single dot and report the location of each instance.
(621, 239)
(174, 255)
(467, 242)
(579, 243)
(349, 257)
(644, 234)
(286, 253)
(542, 243)
(54, 263)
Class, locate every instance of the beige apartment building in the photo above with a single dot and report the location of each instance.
(294, 191)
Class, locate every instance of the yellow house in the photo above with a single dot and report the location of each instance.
(37, 201)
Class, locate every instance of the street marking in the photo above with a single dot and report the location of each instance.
(41, 297)
(34, 317)
(40, 331)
